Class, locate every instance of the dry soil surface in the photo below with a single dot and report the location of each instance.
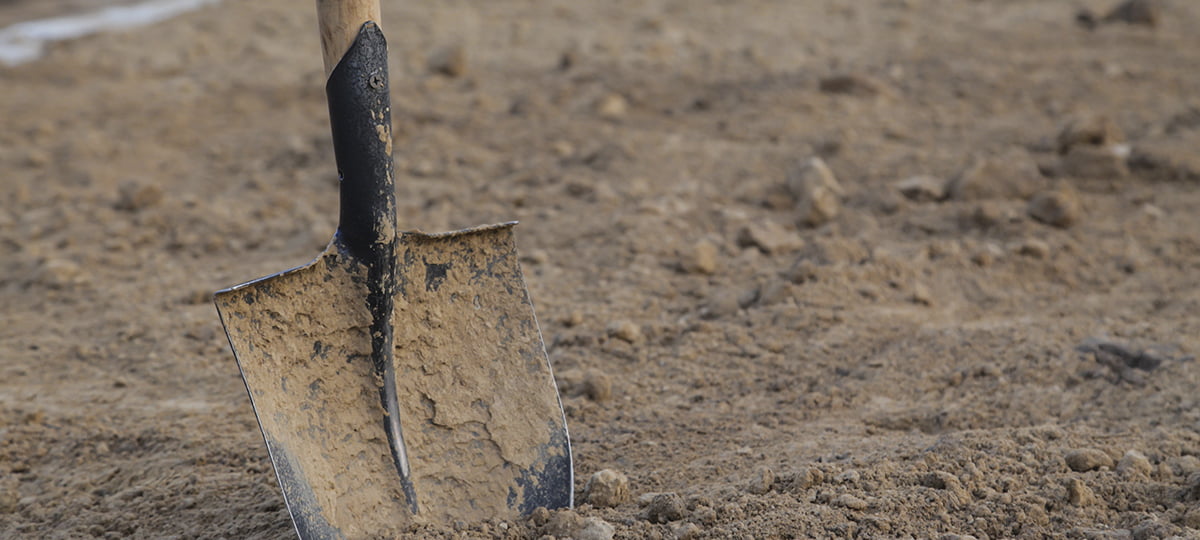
(985, 328)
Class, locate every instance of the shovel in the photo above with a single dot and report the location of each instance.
(400, 378)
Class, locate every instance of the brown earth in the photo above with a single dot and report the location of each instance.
(915, 366)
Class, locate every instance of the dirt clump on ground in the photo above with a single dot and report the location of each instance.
(760, 346)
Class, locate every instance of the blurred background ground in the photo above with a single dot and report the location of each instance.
(976, 314)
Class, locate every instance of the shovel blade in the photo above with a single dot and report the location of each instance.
(483, 427)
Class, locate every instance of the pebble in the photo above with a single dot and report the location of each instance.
(702, 258)
(1140, 12)
(1059, 207)
(450, 61)
(1013, 174)
(1088, 459)
(761, 481)
(1078, 494)
(722, 303)
(847, 500)
(598, 386)
(921, 294)
(1103, 162)
(606, 489)
(816, 191)
(1135, 463)
(769, 237)
(1094, 130)
(572, 319)
(612, 106)
(922, 188)
(665, 507)
(60, 273)
(625, 331)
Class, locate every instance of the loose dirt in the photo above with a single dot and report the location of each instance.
(1009, 356)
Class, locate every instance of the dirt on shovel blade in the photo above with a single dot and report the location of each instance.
(757, 351)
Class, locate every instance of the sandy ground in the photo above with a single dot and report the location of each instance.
(1011, 359)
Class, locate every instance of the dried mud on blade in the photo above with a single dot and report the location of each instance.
(482, 422)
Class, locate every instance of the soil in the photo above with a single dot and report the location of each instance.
(762, 349)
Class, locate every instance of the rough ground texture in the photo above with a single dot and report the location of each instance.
(1005, 351)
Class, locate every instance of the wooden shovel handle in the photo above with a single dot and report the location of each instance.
(340, 21)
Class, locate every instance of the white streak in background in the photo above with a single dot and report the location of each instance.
(26, 41)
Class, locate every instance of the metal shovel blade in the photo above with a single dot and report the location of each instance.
(483, 432)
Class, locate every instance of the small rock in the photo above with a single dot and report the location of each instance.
(595, 529)
(847, 500)
(1088, 459)
(769, 237)
(625, 331)
(563, 523)
(573, 319)
(1078, 494)
(1035, 248)
(597, 386)
(702, 258)
(922, 188)
(450, 61)
(612, 106)
(1088, 130)
(1013, 174)
(1135, 463)
(688, 531)
(816, 191)
(1103, 162)
(761, 481)
(134, 196)
(723, 303)
(665, 507)
(1142, 12)
(606, 488)
(1059, 207)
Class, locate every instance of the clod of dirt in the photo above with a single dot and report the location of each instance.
(1032, 247)
(1088, 459)
(701, 258)
(847, 500)
(769, 237)
(1143, 12)
(691, 531)
(9, 495)
(948, 482)
(1059, 207)
(1191, 519)
(134, 196)
(923, 188)
(612, 106)
(1106, 162)
(625, 331)
(565, 523)
(1078, 494)
(1171, 159)
(1192, 491)
(849, 477)
(606, 488)
(665, 507)
(450, 61)
(816, 191)
(1135, 463)
(761, 481)
(1011, 175)
(60, 273)
(850, 84)
(1088, 130)
(598, 386)
(594, 529)
(539, 516)
(921, 294)
(801, 480)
